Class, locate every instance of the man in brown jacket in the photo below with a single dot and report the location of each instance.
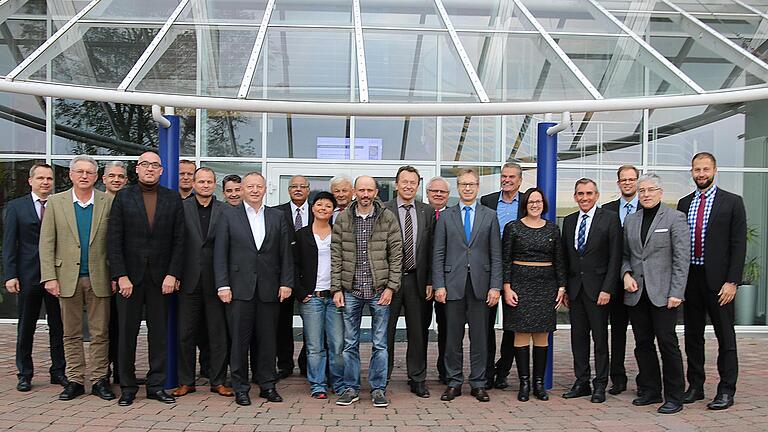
(366, 262)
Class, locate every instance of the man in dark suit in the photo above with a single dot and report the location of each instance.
(617, 311)
(145, 250)
(297, 215)
(506, 204)
(655, 265)
(197, 293)
(416, 224)
(718, 227)
(253, 267)
(438, 191)
(592, 243)
(21, 237)
(467, 276)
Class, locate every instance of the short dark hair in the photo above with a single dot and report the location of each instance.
(584, 180)
(187, 161)
(325, 195)
(205, 169)
(230, 177)
(524, 201)
(38, 165)
(627, 167)
(407, 168)
(465, 171)
(704, 155)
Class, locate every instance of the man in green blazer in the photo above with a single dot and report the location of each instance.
(73, 267)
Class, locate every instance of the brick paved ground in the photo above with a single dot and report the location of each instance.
(202, 411)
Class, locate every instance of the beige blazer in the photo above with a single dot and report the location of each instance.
(60, 244)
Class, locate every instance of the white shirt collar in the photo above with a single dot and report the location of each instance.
(35, 198)
(248, 207)
(87, 203)
(304, 208)
(590, 213)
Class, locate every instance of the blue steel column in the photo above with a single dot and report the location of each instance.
(169, 155)
(546, 180)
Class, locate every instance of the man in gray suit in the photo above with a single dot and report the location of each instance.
(467, 277)
(655, 272)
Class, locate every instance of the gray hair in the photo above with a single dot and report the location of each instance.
(585, 180)
(83, 158)
(515, 165)
(441, 179)
(339, 179)
(114, 164)
(651, 177)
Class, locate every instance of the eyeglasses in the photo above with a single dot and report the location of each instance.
(147, 164)
(301, 186)
(437, 191)
(467, 185)
(80, 173)
(536, 202)
(628, 180)
(648, 191)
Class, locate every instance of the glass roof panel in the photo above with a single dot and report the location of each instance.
(92, 55)
(18, 39)
(617, 66)
(306, 64)
(224, 11)
(487, 15)
(132, 10)
(636, 5)
(711, 6)
(570, 16)
(198, 60)
(57, 9)
(743, 29)
(330, 12)
(410, 66)
(520, 67)
(400, 13)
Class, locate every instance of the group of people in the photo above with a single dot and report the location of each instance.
(239, 267)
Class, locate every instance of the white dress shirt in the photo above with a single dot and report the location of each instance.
(304, 209)
(256, 221)
(590, 216)
(38, 205)
(83, 204)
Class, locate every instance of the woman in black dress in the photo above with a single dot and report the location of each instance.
(534, 287)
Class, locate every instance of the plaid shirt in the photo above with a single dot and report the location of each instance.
(362, 283)
(692, 210)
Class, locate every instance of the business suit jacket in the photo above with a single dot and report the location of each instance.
(60, 244)
(251, 271)
(425, 219)
(198, 248)
(290, 216)
(21, 239)
(134, 247)
(491, 200)
(453, 257)
(305, 259)
(597, 269)
(661, 266)
(725, 246)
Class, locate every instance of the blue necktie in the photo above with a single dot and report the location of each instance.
(581, 240)
(629, 207)
(467, 223)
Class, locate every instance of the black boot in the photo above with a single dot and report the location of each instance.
(523, 360)
(539, 366)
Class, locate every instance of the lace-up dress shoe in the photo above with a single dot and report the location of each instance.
(71, 391)
(161, 396)
(480, 394)
(242, 398)
(271, 395)
(183, 390)
(721, 402)
(126, 399)
(578, 390)
(420, 389)
(670, 408)
(24, 384)
(646, 399)
(450, 393)
(101, 389)
(222, 390)
(692, 395)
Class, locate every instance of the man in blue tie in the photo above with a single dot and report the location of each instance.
(618, 312)
(467, 277)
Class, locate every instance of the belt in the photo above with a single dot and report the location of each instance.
(323, 293)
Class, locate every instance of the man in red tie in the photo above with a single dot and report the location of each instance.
(438, 190)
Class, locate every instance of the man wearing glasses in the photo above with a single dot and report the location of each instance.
(145, 251)
(438, 191)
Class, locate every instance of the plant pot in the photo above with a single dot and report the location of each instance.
(746, 304)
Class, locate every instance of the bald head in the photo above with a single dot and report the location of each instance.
(365, 191)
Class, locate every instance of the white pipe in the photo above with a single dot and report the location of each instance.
(382, 109)
(565, 121)
(157, 115)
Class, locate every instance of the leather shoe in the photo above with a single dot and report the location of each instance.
(578, 390)
(617, 389)
(126, 399)
(271, 395)
(161, 396)
(24, 385)
(222, 390)
(420, 389)
(692, 395)
(480, 394)
(500, 382)
(71, 391)
(721, 402)
(670, 408)
(242, 398)
(101, 389)
(646, 400)
(183, 390)
(60, 380)
(598, 396)
(450, 393)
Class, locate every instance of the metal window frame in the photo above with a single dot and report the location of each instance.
(362, 71)
(245, 85)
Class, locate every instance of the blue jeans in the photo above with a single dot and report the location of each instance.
(377, 370)
(323, 323)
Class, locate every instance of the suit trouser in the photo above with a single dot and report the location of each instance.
(441, 337)
(700, 301)
(506, 351)
(649, 321)
(473, 311)
(251, 320)
(191, 306)
(618, 314)
(147, 294)
(587, 317)
(97, 309)
(113, 338)
(411, 297)
(30, 300)
(285, 336)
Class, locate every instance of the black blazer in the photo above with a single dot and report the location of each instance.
(21, 237)
(305, 259)
(425, 226)
(492, 200)
(238, 264)
(725, 244)
(289, 217)
(198, 248)
(598, 268)
(132, 246)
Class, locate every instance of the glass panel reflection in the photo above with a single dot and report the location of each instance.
(489, 180)
(494, 14)
(411, 138)
(711, 6)
(634, 5)
(231, 134)
(475, 139)
(311, 137)
(331, 12)
(596, 138)
(224, 11)
(18, 39)
(570, 16)
(389, 13)
(22, 124)
(223, 169)
(132, 10)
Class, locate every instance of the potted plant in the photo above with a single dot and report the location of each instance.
(746, 296)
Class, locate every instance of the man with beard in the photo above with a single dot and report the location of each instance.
(718, 226)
